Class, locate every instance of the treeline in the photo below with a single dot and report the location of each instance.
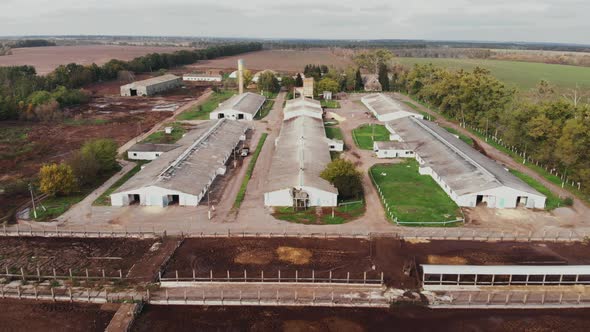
(31, 43)
(452, 53)
(552, 131)
(20, 85)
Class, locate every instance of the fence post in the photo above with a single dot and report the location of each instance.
(194, 279)
(176, 274)
(167, 298)
(279, 276)
(245, 279)
(210, 275)
(347, 277)
(543, 298)
(312, 276)
(296, 275)
(364, 277)
(227, 275)
(71, 297)
(104, 277)
(525, 298)
(22, 272)
(18, 291)
(52, 294)
(381, 278)
(330, 279)
(262, 275)
(38, 274)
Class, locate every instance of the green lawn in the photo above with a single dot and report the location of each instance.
(412, 197)
(160, 137)
(462, 137)
(330, 104)
(270, 95)
(14, 142)
(244, 186)
(363, 135)
(552, 201)
(265, 110)
(201, 112)
(105, 198)
(334, 132)
(522, 75)
(342, 214)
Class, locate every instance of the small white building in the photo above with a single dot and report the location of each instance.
(386, 109)
(183, 176)
(336, 145)
(302, 152)
(149, 151)
(303, 107)
(392, 149)
(467, 176)
(151, 86)
(202, 77)
(239, 107)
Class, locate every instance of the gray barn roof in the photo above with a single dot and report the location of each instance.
(190, 168)
(461, 167)
(388, 145)
(154, 80)
(246, 103)
(301, 154)
(383, 104)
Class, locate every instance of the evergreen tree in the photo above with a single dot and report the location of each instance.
(298, 80)
(383, 77)
(358, 81)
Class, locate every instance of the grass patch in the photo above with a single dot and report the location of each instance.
(201, 112)
(14, 142)
(160, 137)
(269, 95)
(522, 75)
(335, 155)
(248, 176)
(330, 104)
(333, 132)
(412, 197)
(265, 109)
(462, 137)
(363, 135)
(56, 206)
(105, 198)
(552, 201)
(344, 213)
(85, 122)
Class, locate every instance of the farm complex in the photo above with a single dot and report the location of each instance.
(235, 187)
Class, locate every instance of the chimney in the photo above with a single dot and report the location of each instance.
(241, 76)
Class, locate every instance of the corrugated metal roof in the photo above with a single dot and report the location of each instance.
(461, 167)
(202, 153)
(383, 104)
(246, 103)
(554, 270)
(301, 154)
(386, 145)
(154, 80)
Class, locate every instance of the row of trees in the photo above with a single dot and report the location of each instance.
(96, 159)
(550, 129)
(17, 84)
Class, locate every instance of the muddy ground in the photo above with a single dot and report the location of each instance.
(22, 315)
(138, 259)
(26, 146)
(186, 318)
(340, 256)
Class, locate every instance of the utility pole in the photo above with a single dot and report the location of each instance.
(33, 200)
(487, 129)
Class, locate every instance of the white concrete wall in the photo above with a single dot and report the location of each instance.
(143, 155)
(230, 115)
(503, 198)
(336, 146)
(317, 197)
(154, 196)
(201, 79)
(393, 153)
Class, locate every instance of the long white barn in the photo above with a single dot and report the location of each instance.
(386, 109)
(303, 107)
(302, 152)
(183, 175)
(467, 176)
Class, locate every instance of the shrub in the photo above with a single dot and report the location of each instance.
(57, 179)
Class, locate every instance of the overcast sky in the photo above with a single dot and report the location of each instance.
(493, 20)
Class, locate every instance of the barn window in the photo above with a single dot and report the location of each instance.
(135, 154)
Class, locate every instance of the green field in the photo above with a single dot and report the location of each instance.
(413, 197)
(160, 137)
(333, 132)
(265, 109)
(522, 75)
(201, 112)
(330, 104)
(363, 135)
(552, 201)
(342, 214)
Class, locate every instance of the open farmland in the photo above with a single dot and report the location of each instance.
(188, 318)
(280, 60)
(46, 59)
(522, 75)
